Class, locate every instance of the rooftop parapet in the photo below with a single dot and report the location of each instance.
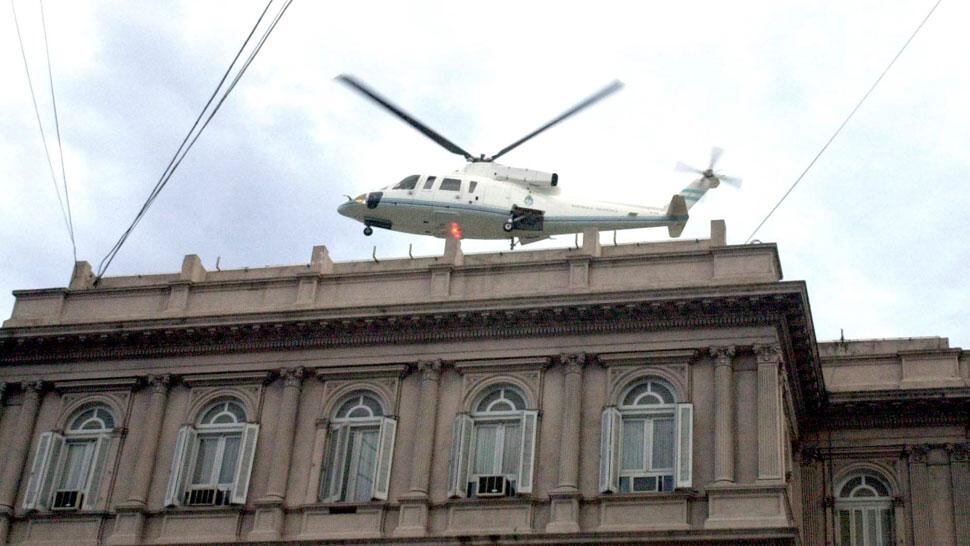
(588, 267)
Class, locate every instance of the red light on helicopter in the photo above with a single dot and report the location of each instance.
(455, 230)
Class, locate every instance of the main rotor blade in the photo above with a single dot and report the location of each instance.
(730, 180)
(407, 118)
(715, 156)
(682, 167)
(601, 94)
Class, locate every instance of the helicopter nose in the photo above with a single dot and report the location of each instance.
(346, 209)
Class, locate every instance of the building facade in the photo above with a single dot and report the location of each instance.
(664, 392)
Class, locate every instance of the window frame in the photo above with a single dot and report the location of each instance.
(863, 512)
(341, 461)
(447, 183)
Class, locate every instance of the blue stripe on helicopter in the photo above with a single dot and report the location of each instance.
(505, 212)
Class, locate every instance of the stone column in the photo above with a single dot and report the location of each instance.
(723, 414)
(268, 519)
(17, 454)
(413, 518)
(960, 474)
(920, 492)
(283, 437)
(130, 520)
(564, 516)
(769, 413)
(141, 477)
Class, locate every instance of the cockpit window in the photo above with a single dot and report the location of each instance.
(429, 182)
(451, 184)
(408, 183)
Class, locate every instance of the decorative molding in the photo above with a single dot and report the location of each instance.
(573, 362)
(640, 358)
(33, 389)
(430, 369)
(292, 377)
(722, 355)
(160, 383)
(360, 372)
(97, 385)
(527, 363)
(228, 378)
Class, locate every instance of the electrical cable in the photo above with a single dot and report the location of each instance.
(191, 138)
(40, 125)
(57, 127)
(846, 121)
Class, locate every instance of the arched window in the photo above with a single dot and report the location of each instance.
(360, 446)
(646, 440)
(494, 446)
(864, 505)
(69, 468)
(214, 458)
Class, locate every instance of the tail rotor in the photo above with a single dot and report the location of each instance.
(709, 174)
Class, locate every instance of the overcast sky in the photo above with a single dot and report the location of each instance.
(877, 228)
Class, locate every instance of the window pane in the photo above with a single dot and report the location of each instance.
(662, 391)
(887, 527)
(204, 461)
(488, 400)
(485, 440)
(450, 184)
(408, 183)
(428, 183)
(859, 533)
(513, 448)
(75, 466)
(633, 445)
(647, 483)
(877, 485)
(513, 397)
(663, 443)
(366, 455)
(850, 485)
(845, 528)
(624, 484)
(471, 186)
(871, 526)
(230, 456)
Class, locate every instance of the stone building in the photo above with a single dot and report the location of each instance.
(666, 392)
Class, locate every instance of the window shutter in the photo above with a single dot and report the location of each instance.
(529, 427)
(42, 470)
(685, 442)
(244, 468)
(336, 457)
(184, 444)
(98, 471)
(385, 450)
(610, 424)
(458, 464)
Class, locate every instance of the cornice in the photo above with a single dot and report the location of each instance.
(781, 305)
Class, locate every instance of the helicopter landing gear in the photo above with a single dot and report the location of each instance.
(512, 243)
(508, 225)
(368, 231)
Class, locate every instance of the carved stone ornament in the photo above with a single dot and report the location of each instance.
(32, 389)
(430, 369)
(767, 353)
(159, 383)
(293, 377)
(722, 355)
(918, 454)
(573, 362)
(960, 453)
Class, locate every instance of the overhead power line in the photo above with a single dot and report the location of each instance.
(65, 211)
(196, 130)
(844, 122)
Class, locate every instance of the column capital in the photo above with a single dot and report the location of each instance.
(722, 354)
(768, 353)
(430, 369)
(159, 383)
(32, 389)
(573, 362)
(918, 453)
(293, 377)
(3, 387)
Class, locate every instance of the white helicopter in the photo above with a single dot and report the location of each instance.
(486, 200)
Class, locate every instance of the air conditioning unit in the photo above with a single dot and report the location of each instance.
(67, 500)
(493, 486)
(206, 497)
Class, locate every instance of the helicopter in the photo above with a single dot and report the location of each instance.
(487, 200)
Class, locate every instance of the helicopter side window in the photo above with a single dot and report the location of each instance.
(429, 182)
(471, 186)
(451, 184)
(408, 183)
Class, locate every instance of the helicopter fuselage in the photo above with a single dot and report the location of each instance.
(479, 207)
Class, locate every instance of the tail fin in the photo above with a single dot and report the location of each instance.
(677, 208)
(693, 193)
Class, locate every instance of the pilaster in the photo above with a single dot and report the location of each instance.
(413, 517)
(130, 519)
(960, 476)
(919, 490)
(564, 517)
(268, 521)
(724, 437)
(769, 413)
(17, 453)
